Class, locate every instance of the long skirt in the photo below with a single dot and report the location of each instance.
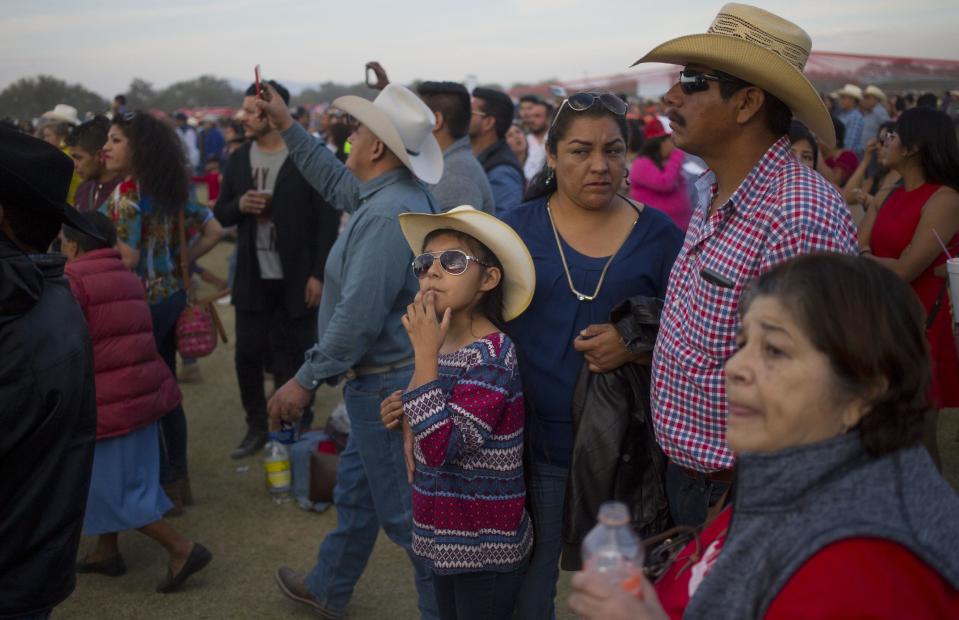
(125, 492)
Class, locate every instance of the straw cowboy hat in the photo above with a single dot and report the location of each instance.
(875, 91)
(520, 280)
(760, 48)
(62, 113)
(849, 90)
(404, 124)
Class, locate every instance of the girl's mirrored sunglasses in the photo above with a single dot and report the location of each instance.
(453, 262)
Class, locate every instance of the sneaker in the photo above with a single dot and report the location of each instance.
(252, 443)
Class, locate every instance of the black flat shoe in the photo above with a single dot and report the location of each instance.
(113, 567)
(199, 557)
(252, 442)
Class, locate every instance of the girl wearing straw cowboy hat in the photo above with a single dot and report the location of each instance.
(367, 285)
(733, 104)
(463, 410)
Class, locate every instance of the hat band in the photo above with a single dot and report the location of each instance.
(733, 26)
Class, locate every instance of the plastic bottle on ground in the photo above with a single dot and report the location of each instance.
(276, 465)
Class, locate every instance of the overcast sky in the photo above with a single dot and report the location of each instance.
(103, 44)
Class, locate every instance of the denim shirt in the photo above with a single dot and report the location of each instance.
(367, 283)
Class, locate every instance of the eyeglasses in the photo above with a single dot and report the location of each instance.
(889, 137)
(580, 102)
(696, 81)
(453, 262)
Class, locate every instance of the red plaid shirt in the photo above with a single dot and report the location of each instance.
(782, 209)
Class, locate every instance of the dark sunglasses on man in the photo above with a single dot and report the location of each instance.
(692, 81)
(453, 262)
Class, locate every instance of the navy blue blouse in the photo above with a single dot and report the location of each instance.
(544, 334)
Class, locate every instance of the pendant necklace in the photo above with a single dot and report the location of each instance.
(562, 255)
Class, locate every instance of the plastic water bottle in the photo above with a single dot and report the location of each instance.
(611, 548)
(276, 463)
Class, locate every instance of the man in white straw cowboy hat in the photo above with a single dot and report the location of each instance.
(367, 286)
(850, 97)
(874, 114)
(741, 85)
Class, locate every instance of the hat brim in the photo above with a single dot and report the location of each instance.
(427, 165)
(18, 189)
(756, 65)
(520, 274)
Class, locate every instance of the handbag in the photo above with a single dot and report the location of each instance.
(198, 325)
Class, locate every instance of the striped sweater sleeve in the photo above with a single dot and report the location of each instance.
(449, 426)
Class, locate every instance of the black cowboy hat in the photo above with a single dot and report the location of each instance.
(36, 175)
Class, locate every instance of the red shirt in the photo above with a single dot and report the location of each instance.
(853, 578)
(212, 180)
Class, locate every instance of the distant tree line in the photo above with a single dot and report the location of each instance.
(30, 97)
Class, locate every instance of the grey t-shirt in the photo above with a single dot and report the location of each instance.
(266, 167)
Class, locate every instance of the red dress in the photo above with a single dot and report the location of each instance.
(891, 234)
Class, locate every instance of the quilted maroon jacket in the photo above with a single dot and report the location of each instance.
(134, 386)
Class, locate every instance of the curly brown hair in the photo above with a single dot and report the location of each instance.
(158, 160)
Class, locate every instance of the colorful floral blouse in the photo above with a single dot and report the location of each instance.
(143, 227)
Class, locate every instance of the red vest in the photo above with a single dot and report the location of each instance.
(134, 385)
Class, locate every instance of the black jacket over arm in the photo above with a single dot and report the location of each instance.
(306, 227)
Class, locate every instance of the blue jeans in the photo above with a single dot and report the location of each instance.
(690, 498)
(477, 596)
(547, 492)
(173, 425)
(371, 492)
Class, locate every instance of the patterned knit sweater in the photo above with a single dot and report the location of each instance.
(469, 497)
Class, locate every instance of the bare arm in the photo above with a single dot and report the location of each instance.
(210, 235)
(129, 255)
(855, 181)
(940, 213)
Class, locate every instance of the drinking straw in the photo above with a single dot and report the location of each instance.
(941, 244)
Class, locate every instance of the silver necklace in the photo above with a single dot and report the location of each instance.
(562, 255)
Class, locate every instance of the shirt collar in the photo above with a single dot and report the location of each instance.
(745, 199)
(459, 145)
(368, 188)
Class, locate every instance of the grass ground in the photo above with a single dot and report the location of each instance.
(250, 536)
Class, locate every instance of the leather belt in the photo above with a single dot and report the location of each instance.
(723, 475)
(364, 371)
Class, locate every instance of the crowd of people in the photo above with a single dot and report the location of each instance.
(727, 309)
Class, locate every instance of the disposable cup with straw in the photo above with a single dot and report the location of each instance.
(952, 267)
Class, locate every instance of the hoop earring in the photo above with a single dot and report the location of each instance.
(626, 177)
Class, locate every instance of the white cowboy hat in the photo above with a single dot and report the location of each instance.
(875, 91)
(404, 124)
(760, 48)
(62, 113)
(520, 275)
(849, 90)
